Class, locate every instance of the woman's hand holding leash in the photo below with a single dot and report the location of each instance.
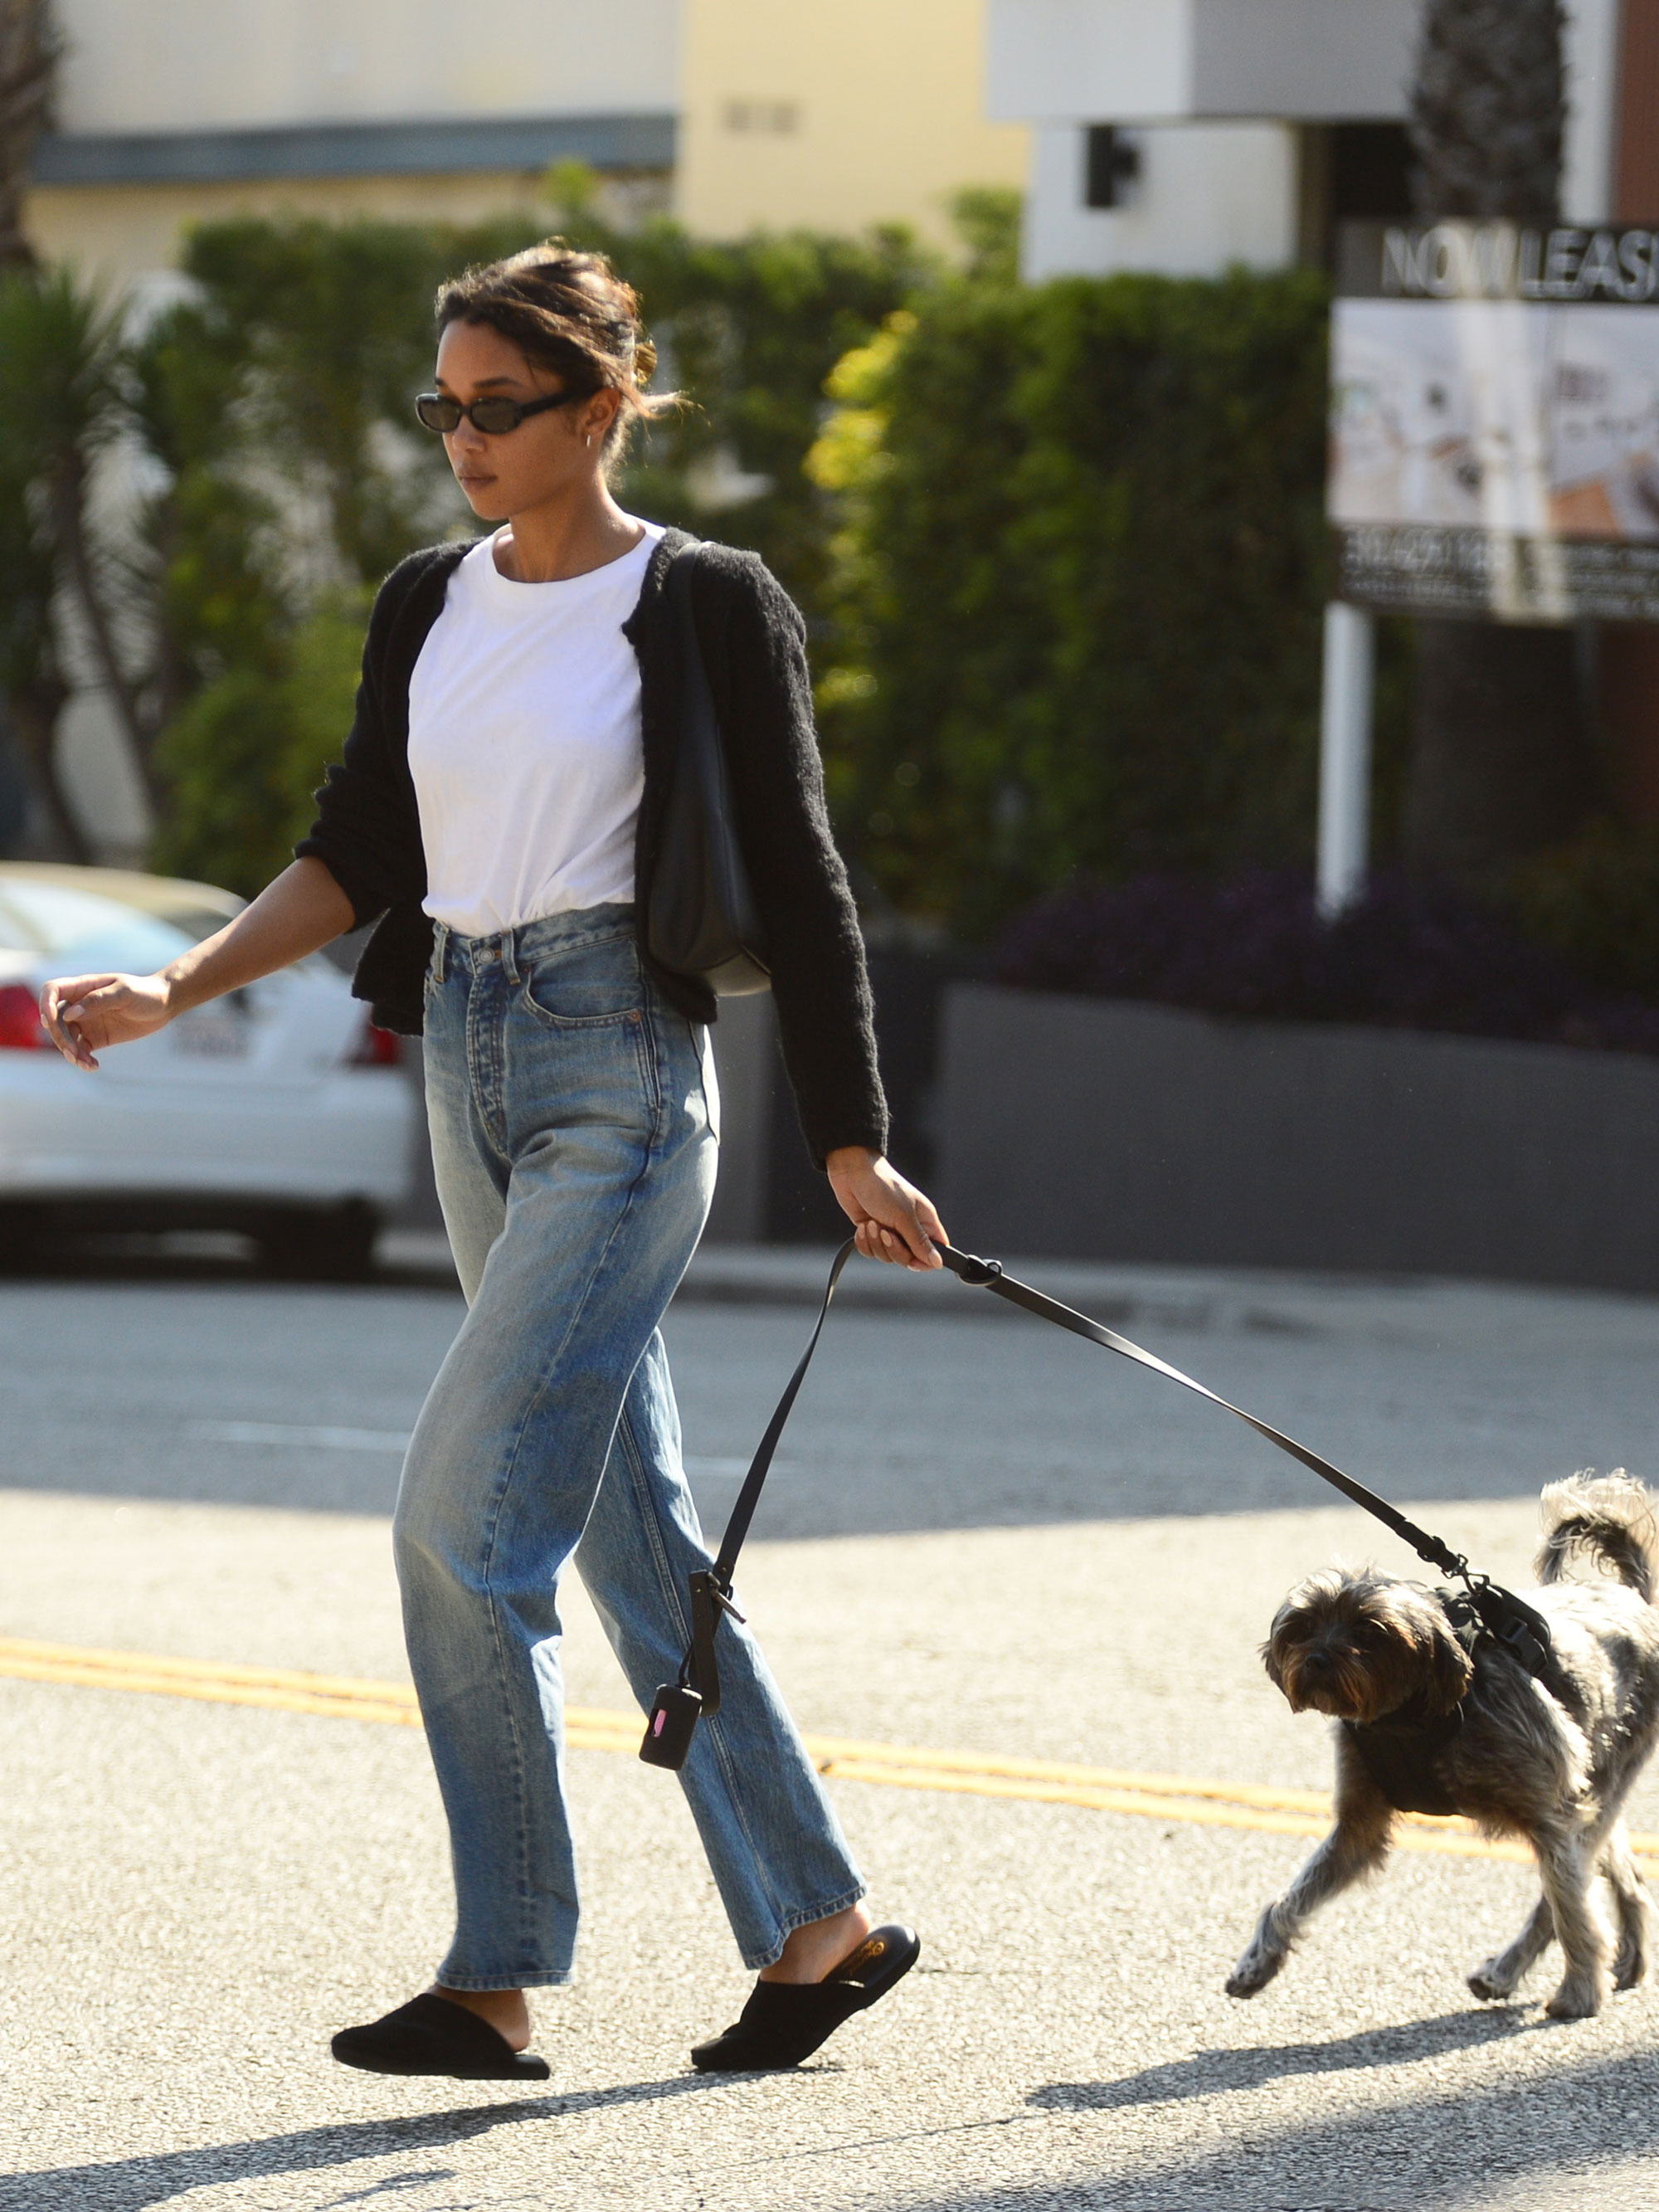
(891, 1219)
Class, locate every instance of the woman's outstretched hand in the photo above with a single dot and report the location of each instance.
(891, 1219)
(304, 909)
(84, 1014)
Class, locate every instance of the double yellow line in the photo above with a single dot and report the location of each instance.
(1170, 1797)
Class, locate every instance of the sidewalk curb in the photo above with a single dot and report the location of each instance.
(1210, 1301)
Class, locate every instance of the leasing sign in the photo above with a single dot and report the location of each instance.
(1495, 422)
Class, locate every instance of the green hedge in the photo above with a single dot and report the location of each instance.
(243, 755)
(1078, 584)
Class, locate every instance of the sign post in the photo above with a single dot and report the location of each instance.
(1345, 756)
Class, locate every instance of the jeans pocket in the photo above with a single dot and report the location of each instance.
(586, 986)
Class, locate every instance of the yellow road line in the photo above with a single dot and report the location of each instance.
(1062, 1774)
(1203, 1805)
(979, 1774)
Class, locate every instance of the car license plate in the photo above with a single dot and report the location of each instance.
(211, 1034)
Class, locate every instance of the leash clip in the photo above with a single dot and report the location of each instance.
(1450, 1562)
(980, 1272)
(679, 1706)
(723, 1600)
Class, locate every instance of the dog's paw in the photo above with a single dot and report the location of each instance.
(1253, 1972)
(1630, 1962)
(1579, 1997)
(1491, 1983)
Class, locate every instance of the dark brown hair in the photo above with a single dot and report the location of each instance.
(569, 313)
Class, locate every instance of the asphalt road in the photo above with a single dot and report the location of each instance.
(984, 1538)
(965, 1414)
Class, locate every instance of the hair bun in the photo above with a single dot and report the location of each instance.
(569, 312)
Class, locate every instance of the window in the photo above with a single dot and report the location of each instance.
(1111, 160)
(1351, 173)
(761, 118)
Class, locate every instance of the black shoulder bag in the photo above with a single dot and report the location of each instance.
(702, 920)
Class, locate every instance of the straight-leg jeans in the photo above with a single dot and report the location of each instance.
(574, 1132)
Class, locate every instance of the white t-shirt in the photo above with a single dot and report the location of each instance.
(523, 742)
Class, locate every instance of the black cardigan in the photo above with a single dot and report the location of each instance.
(367, 831)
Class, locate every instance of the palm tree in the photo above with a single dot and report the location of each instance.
(31, 688)
(28, 53)
(1501, 765)
(1488, 110)
(63, 403)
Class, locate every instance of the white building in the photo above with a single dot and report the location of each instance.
(208, 108)
(1182, 135)
(740, 114)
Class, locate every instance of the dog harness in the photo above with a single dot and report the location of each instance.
(1400, 1753)
(1401, 1750)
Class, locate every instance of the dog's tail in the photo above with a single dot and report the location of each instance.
(1607, 1517)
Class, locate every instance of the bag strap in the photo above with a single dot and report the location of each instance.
(676, 584)
(677, 593)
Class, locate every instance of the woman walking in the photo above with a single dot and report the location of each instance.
(497, 810)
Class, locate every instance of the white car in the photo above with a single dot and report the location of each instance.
(277, 1111)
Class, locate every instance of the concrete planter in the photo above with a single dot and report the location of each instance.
(1103, 1129)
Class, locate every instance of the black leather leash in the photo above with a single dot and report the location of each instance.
(1517, 1626)
(678, 1706)
(987, 1274)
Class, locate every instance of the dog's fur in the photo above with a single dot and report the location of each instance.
(1358, 1646)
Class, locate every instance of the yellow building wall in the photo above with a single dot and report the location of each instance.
(835, 114)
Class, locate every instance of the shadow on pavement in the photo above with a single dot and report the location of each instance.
(1483, 2146)
(130, 2185)
(1434, 2152)
(1212, 2073)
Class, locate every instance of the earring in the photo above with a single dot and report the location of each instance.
(588, 441)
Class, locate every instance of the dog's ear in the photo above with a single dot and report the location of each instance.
(1307, 1612)
(1450, 1669)
(1282, 1642)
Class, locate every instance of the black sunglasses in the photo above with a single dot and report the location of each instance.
(494, 417)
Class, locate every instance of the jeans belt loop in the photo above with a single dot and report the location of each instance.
(440, 951)
(509, 964)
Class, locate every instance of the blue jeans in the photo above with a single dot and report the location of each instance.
(574, 1132)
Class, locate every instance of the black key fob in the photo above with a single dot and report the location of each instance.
(668, 1731)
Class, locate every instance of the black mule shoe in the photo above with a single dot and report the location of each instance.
(784, 2022)
(430, 2035)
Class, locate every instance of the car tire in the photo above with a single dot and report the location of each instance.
(22, 1238)
(320, 1244)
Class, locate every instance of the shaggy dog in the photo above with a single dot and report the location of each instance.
(1429, 1720)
